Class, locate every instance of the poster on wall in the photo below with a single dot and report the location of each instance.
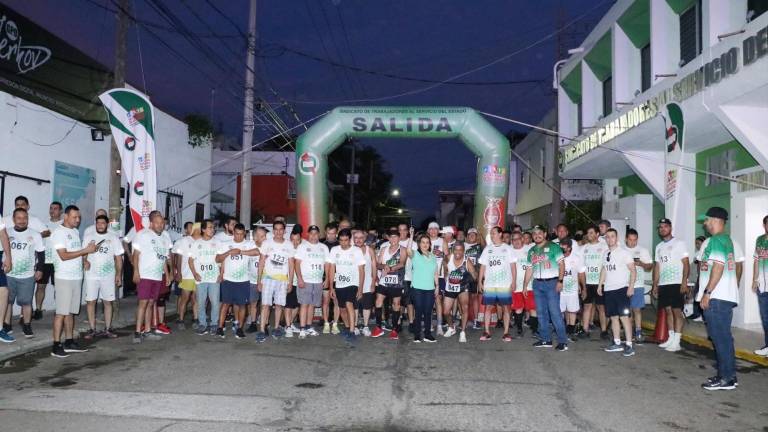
(75, 185)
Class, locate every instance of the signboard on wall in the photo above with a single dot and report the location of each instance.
(75, 185)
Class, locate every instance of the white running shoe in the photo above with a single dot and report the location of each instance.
(762, 351)
(294, 328)
(335, 329)
(463, 337)
(670, 338)
(366, 332)
(450, 332)
(312, 332)
(675, 345)
(439, 330)
(289, 332)
(326, 328)
(302, 334)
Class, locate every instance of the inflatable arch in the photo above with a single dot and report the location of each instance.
(482, 139)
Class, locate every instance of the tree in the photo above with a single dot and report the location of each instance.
(374, 204)
(200, 130)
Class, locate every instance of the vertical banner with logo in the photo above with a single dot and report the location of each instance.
(132, 121)
(674, 126)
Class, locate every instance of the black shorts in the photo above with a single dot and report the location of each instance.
(390, 291)
(292, 299)
(616, 302)
(592, 296)
(346, 295)
(455, 295)
(367, 300)
(670, 296)
(472, 288)
(47, 274)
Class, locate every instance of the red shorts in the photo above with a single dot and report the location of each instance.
(149, 289)
(523, 302)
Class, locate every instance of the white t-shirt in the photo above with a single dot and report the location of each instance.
(408, 264)
(521, 258)
(253, 266)
(52, 226)
(311, 258)
(368, 282)
(32, 223)
(574, 265)
(592, 254)
(669, 255)
(102, 262)
(439, 251)
(497, 261)
(615, 266)
(154, 250)
(69, 240)
(24, 245)
(277, 256)
(236, 266)
(183, 248)
(204, 257)
(222, 237)
(346, 264)
(645, 258)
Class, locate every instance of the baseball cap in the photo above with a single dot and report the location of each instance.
(714, 212)
(472, 230)
(604, 222)
(297, 229)
(447, 230)
(313, 228)
(433, 225)
(665, 221)
(538, 228)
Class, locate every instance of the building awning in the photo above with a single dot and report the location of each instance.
(599, 57)
(636, 23)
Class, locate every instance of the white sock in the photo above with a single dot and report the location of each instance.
(617, 341)
(629, 344)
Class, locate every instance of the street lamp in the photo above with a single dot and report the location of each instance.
(399, 211)
(395, 192)
(559, 63)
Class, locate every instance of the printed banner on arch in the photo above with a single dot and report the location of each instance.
(132, 121)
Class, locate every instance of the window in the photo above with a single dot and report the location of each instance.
(199, 212)
(607, 96)
(719, 167)
(690, 34)
(542, 154)
(645, 67)
(755, 8)
(579, 119)
(522, 174)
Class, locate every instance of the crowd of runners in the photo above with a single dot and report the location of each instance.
(556, 287)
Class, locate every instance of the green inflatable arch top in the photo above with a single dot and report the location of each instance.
(480, 137)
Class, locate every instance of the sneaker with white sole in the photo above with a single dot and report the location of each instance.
(669, 340)
(614, 347)
(440, 330)
(463, 337)
(762, 351)
(334, 329)
(289, 331)
(450, 332)
(302, 334)
(366, 332)
(312, 332)
(326, 328)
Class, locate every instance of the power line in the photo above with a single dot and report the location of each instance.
(322, 43)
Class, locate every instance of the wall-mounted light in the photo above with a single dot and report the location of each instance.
(97, 135)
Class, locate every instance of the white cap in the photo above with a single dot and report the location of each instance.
(447, 230)
(433, 225)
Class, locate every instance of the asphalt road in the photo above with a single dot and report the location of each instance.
(192, 383)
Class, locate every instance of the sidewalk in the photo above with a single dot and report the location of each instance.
(43, 328)
(695, 333)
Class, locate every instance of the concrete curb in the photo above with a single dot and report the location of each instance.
(741, 354)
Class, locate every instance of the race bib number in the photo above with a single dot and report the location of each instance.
(343, 279)
(494, 262)
(278, 261)
(391, 279)
(454, 281)
(206, 267)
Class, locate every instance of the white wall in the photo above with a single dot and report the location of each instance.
(626, 68)
(665, 40)
(591, 97)
(720, 17)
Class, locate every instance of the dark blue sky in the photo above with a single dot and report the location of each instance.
(419, 39)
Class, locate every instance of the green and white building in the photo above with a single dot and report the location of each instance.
(666, 101)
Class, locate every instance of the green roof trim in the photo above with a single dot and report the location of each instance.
(636, 23)
(572, 84)
(599, 57)
(680, 6)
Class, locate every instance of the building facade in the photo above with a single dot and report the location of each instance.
(666, 102)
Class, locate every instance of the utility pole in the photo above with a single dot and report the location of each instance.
(352, 182)
(245, 176)
(115, 176)
(370, 188)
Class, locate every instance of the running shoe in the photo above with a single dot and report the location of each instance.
(201, 331)
(312, 332)
(720, 384)
(450, 332)
(377, 332)
(195, 325)
(366, 332)
(252, 328)
(561, 347)
(90, 334)
(440, 330)
(289, 332)
(261, 337)
(239, 334)
(220, 332)
(762, 351)
(417, 339)
(477, 325)
(543, 344)
(58, 351)
(154, 336)
(326, 328)
(27, 330)
(429, 338)
(386, 327)
(8, 328)
(163, 329)
(72, 346)
(506, 338)
(639, 339)
(356, 331)
(278, 333)
(5, 337)
(485, 337)
(110, 333)
(393, 335)
(37, 315)
(335, 329)
(302, 334)
(614, 347)
(629, 351)
(463, 336)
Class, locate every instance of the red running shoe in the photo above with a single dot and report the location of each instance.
(377, 332)
(393, 335)
(163, 329)
(485, 337)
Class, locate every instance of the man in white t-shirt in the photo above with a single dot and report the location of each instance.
(28, 255)
(592, 253)
(496, 281)
(670, 281)
(92, 228)
(228, 230)
(68, 265)
(207, 273)
(309, 265)
(259, 236)
(617, 284)
(574, 283)
(234, 257)
(54, 221)
(151, 263)
(643, 264)
(103, 275)
(523, 298)
(182, 274)
(275, 274)
(347, 275)
(6, 267)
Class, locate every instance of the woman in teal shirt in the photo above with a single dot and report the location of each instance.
(424, 287)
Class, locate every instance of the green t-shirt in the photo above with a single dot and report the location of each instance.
(424, 268)
(544, 260)
(761, 255)
(719, 249)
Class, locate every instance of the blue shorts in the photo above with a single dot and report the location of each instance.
(616, 303)
(637, 301)
(255, 293)
(235, 293)
(497, 296)
(3, 279)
